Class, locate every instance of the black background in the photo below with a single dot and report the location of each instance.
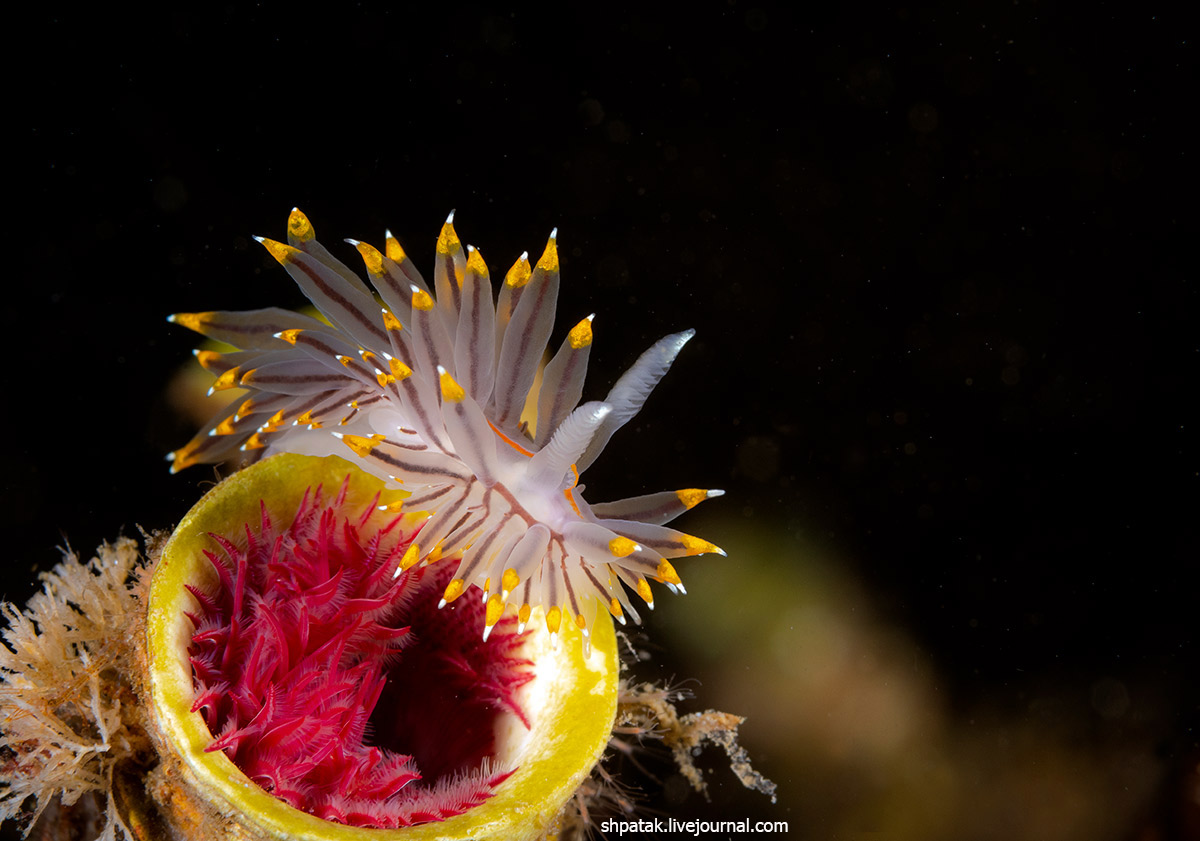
(960, 232)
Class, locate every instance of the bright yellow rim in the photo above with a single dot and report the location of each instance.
(572, 702)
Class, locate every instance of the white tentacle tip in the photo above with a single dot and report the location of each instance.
(450, 218)
(715, 492)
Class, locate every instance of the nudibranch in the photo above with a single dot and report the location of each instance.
(436, 391)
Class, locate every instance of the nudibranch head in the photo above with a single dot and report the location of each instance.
(433, 389)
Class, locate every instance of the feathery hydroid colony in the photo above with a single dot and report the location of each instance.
(429, 394)
(307, 635)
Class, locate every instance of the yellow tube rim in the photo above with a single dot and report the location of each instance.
(571, 702)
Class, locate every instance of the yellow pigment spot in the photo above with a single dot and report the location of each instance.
(581, 334)
(273, 423)
(643, 590)
(696, 546)
(411, 555)
(487, 585)
(191, 320)
(691, 497)
(580, 621)
(181, 458)
(549, 260)
(622, 547)
(394, 252)
(452, 392)
(254, 442)
(614, 607)
(399, 370)
(362, 446)
(454, 589)
(289, 336)
(225, 427)
(246, 408)
(345, 360)
(229, 379)
(475, 263)
(422, 300)
(383, 379)
(305, 419)
(208, 358)
(510, 580)
(371, 257)
(553, 619)
(390, 322)
(524, 613)
(299, 227)
(495, 609)
(448, 242)
(519, 274)
(667, 572)
(283, 253)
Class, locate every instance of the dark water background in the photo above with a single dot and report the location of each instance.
(944, 368)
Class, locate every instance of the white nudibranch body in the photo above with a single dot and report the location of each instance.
(429, 393)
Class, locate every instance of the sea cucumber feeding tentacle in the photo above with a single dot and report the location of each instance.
(429, 393)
